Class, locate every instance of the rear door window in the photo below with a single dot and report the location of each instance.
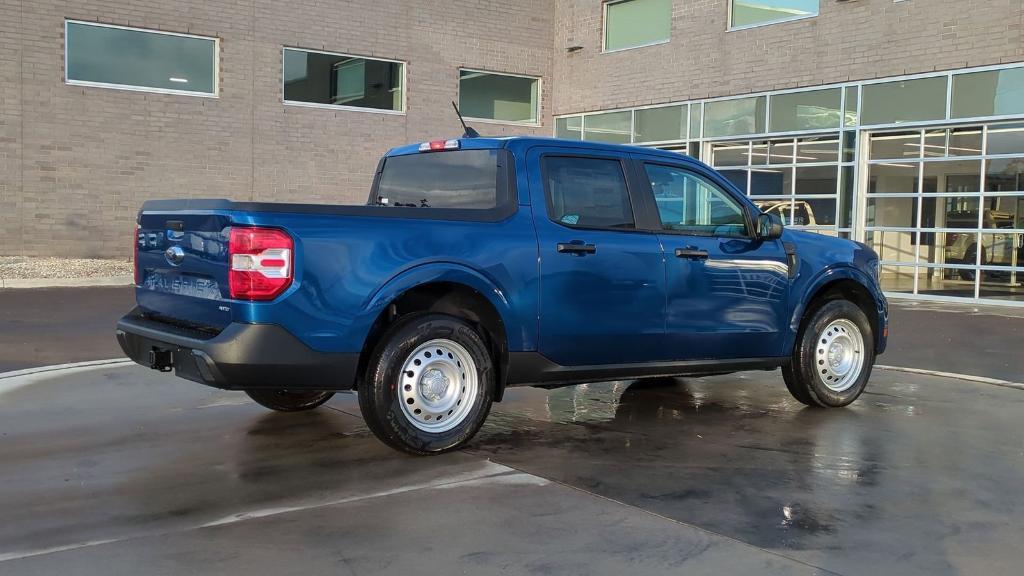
(587, 192)
(464, 179)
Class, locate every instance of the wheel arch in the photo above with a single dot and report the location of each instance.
(462, 293)
(844, 283)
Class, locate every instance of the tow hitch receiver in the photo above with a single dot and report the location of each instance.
(161, 360)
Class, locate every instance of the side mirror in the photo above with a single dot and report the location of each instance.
(769, 227)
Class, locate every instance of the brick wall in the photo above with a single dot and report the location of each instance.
(91, 156)
(850, 40)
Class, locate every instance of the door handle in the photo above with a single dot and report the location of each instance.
(691, 253)
(576, 247)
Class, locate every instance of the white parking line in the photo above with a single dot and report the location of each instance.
(967, 377)
(10, 381)
(488, 473)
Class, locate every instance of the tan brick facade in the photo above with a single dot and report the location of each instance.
(76, 162)
(848, 40)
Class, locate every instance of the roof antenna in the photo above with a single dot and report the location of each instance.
(470, 132)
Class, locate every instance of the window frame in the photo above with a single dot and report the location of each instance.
(731, 28)
(741, 201)
(633, 192)
(134, 88)
(604, 30)
(536, 122)
(299, 103)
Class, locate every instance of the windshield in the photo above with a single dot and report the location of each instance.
(466, 179)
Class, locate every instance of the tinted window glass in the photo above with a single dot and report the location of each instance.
(754, 12)
(634, 23)
(904, 101)
(140, 59)
(333, 79)
(588, 192)
(459, 179)
(690, 203)
(497, 96)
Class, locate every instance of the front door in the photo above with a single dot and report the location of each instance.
(602, 287)
(727, 291)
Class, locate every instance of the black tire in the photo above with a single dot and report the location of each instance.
(807, 374)
(380, 399)
(290, 400)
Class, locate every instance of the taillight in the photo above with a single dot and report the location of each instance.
(261, 263)
(136, 240)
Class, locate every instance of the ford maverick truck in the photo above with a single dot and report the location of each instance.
(483, 263)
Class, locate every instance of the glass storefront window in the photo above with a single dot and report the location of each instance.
(737, 177)
(747, 13)
(850, 117)
(965, 141)
(945, 281)
(897, 279)
(730, 154)
(1006, 139)
(499, 97)
(636, 23)
(904, 101)
(327, 79)
(899, 212)
(893, 178)
(771, 181)
(846, 178)
(133, 59)
(665, 124)
(811, 110)
(963, 176)
(849, 146)
(895, 145)
(818, 149)
(734, 117)
(991, 93)
(613, 127)
(570, 127)
(779, 152)
(815, 212)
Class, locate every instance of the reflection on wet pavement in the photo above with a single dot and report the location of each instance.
(921, 476)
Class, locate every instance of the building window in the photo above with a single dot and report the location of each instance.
(326, 79)
(662, 124)
(613, 127)
(636, 23)
(734, 117)
(992, 93)
(499, 97)
(133, 59)
(809, 110)
(748, 13)
(904, 101)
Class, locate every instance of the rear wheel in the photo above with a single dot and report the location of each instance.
(429, 385)
(290, 400)
(833, 356)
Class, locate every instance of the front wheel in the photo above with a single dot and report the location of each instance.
(429, 385)
(833, 356)
(290, 400)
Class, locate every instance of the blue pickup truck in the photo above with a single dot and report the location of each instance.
(483, 263)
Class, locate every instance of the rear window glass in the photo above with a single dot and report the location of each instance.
(466, 179)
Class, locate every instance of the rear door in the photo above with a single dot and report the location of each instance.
(183, 267)
(726, 290)
(602, 281)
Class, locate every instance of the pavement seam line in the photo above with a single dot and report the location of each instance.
(270, 512)
(954, 375)
(64, 367)
(677, 522)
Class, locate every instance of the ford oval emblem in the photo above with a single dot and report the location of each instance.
(174, 255)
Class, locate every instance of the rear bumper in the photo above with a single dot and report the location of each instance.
(242, 356)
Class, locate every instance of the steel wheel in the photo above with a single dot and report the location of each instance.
(438, 385)
(839, 355)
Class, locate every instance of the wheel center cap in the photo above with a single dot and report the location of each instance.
(835, 354)
(433, 385)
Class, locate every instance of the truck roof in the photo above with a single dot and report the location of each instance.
(519, 143)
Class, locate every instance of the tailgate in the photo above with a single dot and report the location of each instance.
(183, 266)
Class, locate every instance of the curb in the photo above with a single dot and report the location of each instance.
(22, 283)
(965, 377)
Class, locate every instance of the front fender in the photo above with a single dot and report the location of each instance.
(834, 273)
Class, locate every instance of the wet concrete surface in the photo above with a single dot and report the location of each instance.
(120, 470)
(59, 325)
(44, 326)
